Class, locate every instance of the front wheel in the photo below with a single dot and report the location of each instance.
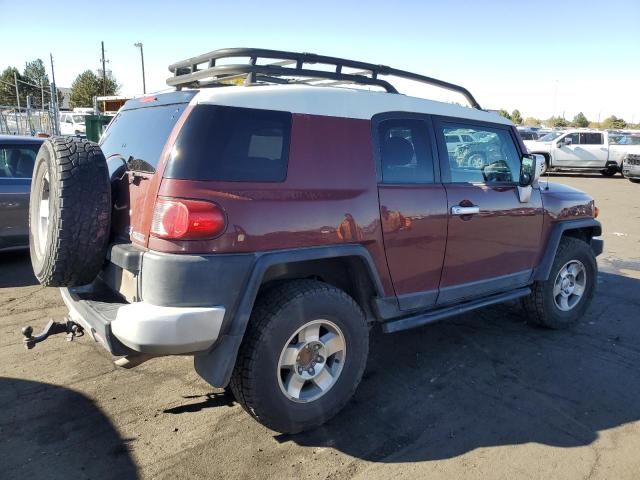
(562, 299)
(303, 355)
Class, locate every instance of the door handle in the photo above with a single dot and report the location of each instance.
(458, 210)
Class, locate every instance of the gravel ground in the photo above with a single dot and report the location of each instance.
(479, 396)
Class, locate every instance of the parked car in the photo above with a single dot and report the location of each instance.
(265, 230)
(17, 157)
(528, 133)
(73, 123)
(585, 150)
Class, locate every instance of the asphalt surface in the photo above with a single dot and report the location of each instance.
(481, 396)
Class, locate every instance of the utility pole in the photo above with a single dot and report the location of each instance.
(54, 100)
(144, 85)
(104, 72)
(15, 79)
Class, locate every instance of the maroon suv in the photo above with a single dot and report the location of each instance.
(266, 228)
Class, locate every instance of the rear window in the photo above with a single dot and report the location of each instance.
(232, 144)
(140, 134)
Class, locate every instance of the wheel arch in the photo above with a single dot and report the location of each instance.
(583, 229)
(348, 267)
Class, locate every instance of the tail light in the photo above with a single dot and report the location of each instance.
(180, 219)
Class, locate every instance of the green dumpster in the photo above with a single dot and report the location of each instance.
(95, 126)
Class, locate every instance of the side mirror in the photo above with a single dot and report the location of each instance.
(529, 171)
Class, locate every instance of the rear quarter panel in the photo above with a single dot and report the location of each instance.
(329, 197)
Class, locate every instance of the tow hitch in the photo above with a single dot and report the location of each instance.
(69, 327)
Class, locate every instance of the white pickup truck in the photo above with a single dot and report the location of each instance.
(582, 150)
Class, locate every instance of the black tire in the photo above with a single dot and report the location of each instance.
(609, 172)
(634, 180)
(69, 248)
(540, 307)
(277, 315)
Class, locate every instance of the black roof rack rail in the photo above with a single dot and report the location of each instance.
(192, 73)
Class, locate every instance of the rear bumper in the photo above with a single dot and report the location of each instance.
(124, 328)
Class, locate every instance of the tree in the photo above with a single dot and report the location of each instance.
(516, 117)
(87, 85)
(556, 122)
(532, 122)
(580, 120)
(503, 113)
(36, 75)
(614, 122)
(8, 89)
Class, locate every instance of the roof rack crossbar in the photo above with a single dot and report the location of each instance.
(188, 74)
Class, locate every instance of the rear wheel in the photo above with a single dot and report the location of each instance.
(303, 356)
(609, 171)
(562, 299)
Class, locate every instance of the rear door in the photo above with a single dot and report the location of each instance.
(134, 146)
(413, 207)
(492, 238)
(587, 150)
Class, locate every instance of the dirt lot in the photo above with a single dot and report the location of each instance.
(480, 396)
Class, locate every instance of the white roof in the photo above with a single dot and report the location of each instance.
(335, 102)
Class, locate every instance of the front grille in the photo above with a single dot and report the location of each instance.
(632, 161)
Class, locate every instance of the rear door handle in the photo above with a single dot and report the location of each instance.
(458, 210)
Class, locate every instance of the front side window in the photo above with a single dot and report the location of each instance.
(17, 161)
(575, 138)
(405, 153)
(491, 158)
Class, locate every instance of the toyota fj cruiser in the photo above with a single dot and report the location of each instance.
(266, 228)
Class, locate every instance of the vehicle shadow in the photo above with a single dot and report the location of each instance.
(53, 432)
(16, 271)
(487, 379)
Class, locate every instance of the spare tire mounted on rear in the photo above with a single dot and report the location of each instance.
(69, 212)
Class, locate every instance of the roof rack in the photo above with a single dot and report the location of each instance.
(202, 71)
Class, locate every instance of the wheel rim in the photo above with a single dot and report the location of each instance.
(311, 361)
(570, 285)
(42, 215)
(476, 160)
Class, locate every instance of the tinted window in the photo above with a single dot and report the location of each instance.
(404, 152)
(141, 133)
(452, 139)
(17, 161)
(591, 139)
(232, 144)
(467, 138)
(492, 158)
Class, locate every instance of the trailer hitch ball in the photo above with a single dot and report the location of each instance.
(69, 327)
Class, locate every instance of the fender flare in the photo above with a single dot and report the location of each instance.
(216, 364)
(542, 271)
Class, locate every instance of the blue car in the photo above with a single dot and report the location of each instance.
(17, 157)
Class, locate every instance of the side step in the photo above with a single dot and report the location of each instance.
(442, 313)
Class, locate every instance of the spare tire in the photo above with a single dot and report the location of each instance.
(69, 212)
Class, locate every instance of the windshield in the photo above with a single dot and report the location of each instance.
(550, 137)
(78, 119)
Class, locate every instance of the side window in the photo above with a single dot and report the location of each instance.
(17, 161)
(232, 144)
(492, 156)
(404, 151)
(591, 139)
(575, 138)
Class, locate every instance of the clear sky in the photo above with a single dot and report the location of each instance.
(542, 57)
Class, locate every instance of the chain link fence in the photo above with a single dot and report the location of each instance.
(26, 121)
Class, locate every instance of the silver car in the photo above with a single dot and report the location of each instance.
(17, 157)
